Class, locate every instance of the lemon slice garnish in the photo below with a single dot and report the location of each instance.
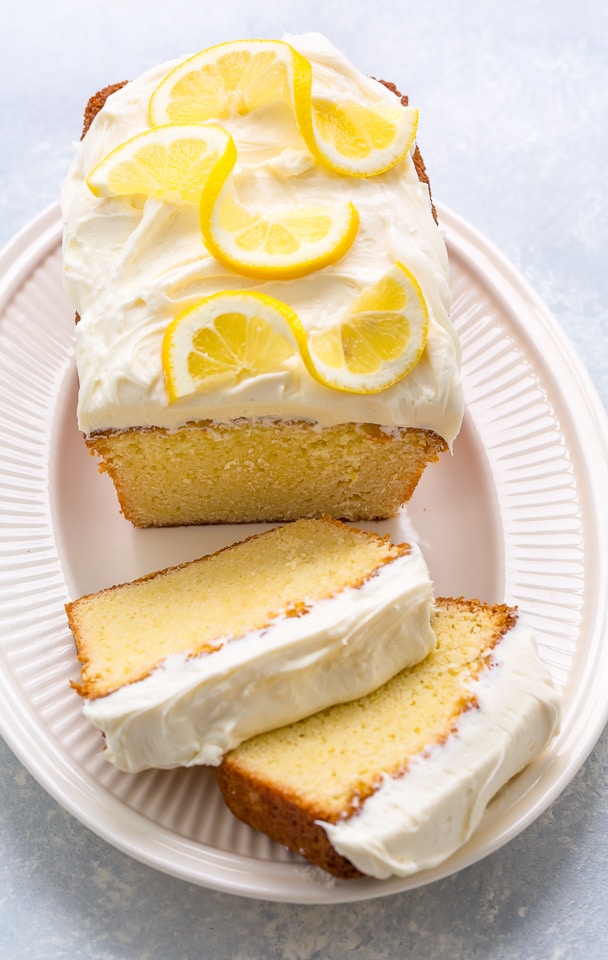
(193, 163)
(289, 243)
(233, 335)
(171, 162)
(226, 338)
(356, 139)
(232, 79)
(381, 338)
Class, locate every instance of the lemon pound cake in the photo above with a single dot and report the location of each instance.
(262, 290)
(396, 781)
(182, 665)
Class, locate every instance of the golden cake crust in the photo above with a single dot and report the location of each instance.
(96, 102)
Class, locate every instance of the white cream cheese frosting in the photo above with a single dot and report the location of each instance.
(131, 266)
(416, 821)
(192, 710)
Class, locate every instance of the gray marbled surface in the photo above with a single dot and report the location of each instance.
(514, 130)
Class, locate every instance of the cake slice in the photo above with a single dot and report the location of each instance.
(396, 781)
(182, 665)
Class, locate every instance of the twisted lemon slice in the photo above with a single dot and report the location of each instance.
(381, 338)
(227, 337)
(235, 78)
(289, 243)
(171, 162)
(358, 140)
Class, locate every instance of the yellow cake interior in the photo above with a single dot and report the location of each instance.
(252, 471)
(124, 632)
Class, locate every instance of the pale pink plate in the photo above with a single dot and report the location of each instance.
(517, 514)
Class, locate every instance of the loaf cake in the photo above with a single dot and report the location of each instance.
(308, 431)
(396, 781)
(182, 665)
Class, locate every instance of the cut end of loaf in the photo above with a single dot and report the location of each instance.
(254, 472)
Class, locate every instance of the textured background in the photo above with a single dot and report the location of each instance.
(514, 130)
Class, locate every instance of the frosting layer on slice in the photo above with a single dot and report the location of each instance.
(182, 665)
(415, 821)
